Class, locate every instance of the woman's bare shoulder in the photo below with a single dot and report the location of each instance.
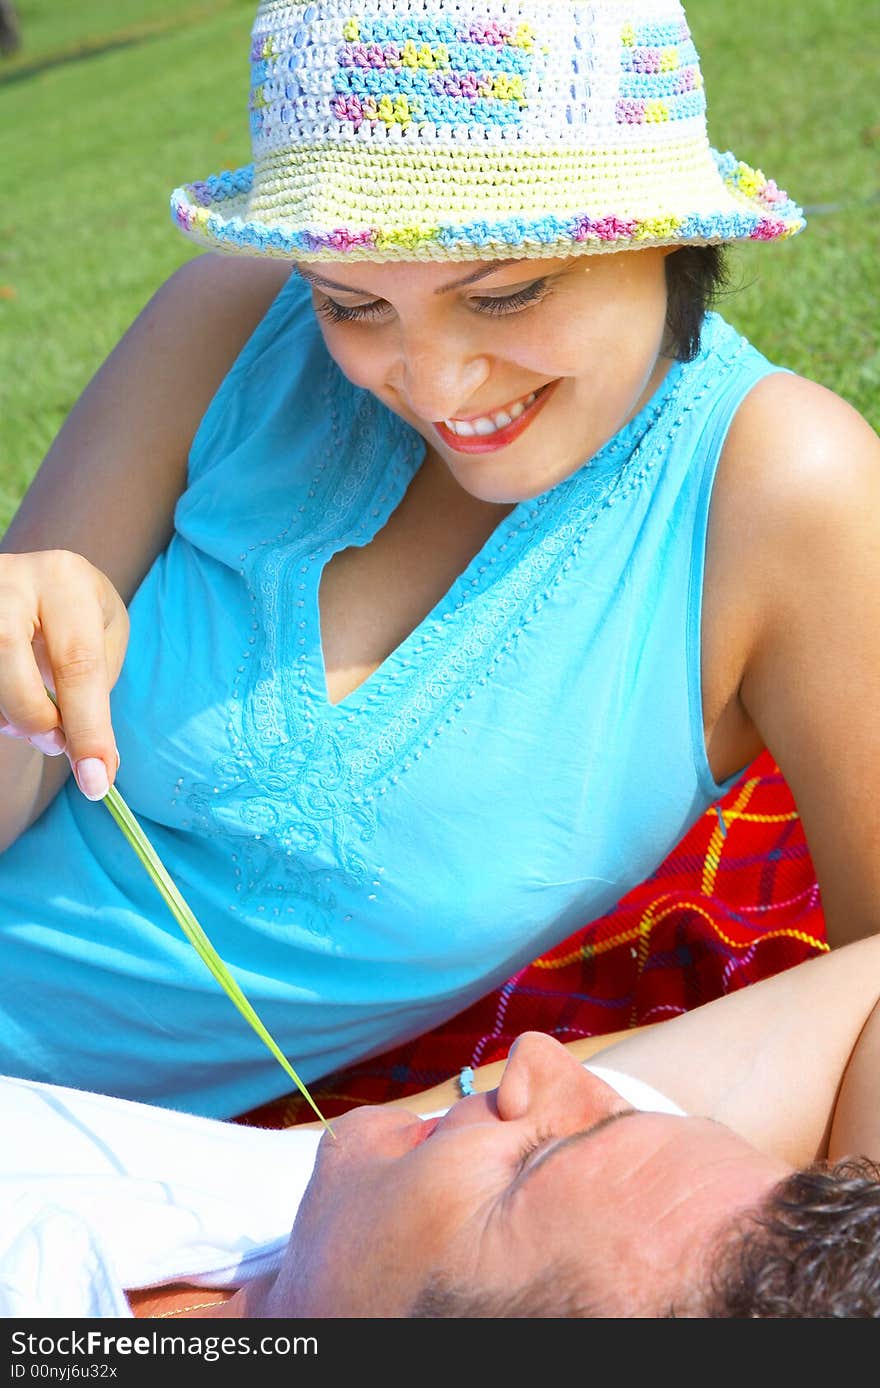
(794, 452)
(793, 516)
(798, 481)
(218, 301)
(230, 281)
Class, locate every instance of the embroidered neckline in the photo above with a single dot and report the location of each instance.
(303, 777)
(499, 553)
(394, 715)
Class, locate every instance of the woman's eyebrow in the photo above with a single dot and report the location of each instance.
(324, 283)
(477, 275)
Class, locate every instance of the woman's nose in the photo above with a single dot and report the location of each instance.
(543, 1080)
(439, 378)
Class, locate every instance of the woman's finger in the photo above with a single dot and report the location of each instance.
(25, 709)
(76, 656)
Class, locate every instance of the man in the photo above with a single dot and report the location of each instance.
(565, 1191)
(554, 1196)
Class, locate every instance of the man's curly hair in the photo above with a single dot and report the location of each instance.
(811, 1250)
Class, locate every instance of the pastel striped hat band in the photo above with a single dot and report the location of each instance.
(472, 129)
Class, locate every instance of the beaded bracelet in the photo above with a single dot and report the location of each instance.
(466, 1081)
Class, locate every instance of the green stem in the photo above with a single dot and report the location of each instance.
(196, 936)
(181, 912)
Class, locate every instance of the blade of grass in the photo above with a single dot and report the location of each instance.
(182, 913)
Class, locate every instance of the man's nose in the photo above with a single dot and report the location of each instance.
(544, 1081)
(438, 377)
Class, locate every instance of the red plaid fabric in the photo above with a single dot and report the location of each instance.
(736, 901)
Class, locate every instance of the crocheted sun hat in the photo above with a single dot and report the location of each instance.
(477, 129)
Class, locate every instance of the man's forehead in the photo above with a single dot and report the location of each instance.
(621, 1205)
(633, 1161)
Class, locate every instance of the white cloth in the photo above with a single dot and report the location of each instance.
(100, 1194)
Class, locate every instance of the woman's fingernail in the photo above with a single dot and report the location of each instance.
(51, 744)
(91, 777)
(8, 730)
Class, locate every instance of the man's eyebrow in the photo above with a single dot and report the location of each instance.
(582, 1135)
(323, 282)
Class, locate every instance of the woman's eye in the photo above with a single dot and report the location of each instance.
(511, 303)
(499, 305)
(336, 313)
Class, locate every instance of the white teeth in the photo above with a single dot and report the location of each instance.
(489, 424)
(484, 426)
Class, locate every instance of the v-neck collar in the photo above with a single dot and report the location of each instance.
(372, 458)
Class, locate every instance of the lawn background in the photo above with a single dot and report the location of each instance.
(111, 103)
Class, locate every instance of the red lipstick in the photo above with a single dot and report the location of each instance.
(501, 438)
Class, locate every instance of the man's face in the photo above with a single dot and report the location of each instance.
(552, 1167)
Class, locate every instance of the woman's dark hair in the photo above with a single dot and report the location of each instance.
(810, 1251)
(695, 275)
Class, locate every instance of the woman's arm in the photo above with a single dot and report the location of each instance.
(99, 511)
(794, 563)
(767, 1060)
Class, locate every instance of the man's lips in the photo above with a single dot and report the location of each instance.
(499, 438)
(427, 1127)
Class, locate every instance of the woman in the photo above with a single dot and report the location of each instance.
(391, 535)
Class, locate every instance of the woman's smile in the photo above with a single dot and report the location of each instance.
(488, 432)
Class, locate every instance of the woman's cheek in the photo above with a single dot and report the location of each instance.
(356, 361)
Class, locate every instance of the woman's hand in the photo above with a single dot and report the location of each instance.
(63, 627)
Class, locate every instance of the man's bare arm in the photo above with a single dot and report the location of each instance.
(770, 1059)
(855, 1127)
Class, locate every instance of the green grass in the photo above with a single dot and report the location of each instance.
(59, 30)
(111, 103)
(99, 143)
(810, 303)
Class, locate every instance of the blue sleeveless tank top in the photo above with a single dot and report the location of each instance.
(528, 754)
